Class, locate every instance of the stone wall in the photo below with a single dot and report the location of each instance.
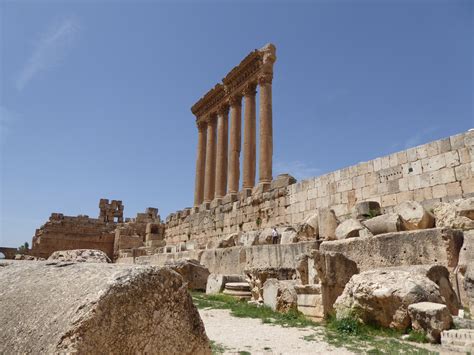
(234, 260)
(438, 171)
(66, 233)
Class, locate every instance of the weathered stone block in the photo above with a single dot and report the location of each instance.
(430, 318)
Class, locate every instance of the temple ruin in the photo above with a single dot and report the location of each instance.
(218, 155)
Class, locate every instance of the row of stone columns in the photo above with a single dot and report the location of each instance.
(218, 155)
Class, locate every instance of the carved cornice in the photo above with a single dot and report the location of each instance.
(250, 89)
(201, 124)
(223, 109)
(257, 67)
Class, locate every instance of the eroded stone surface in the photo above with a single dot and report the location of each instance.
(80, 256)
(431, 318)
(89, 308)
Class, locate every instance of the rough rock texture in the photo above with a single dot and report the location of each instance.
(192, 272)
(87, 308)
(431, 318)
(216, 282)
(382, 296)
(366, 209)
(227, 241)
(466, 254)
(414, 216)
(309, 229)
(80, 256)
(289, 236)
(310, 301)
(385, 223)
(456, 215)
(350, 228)
(421, 247)
(334, 271)
(327, 223)
(469, 285)
(280, 295)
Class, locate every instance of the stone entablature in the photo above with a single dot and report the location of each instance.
(218, 150)
(442, 170)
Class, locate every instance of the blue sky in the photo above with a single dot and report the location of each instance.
(95, 96)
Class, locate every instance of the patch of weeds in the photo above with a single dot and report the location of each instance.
(417, 337)
(267, 348)
(242, 309)
(372, 214)
(217, 348)
(370, 339)
(243, 352)
(311, 337)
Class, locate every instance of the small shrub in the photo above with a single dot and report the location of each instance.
(417, 336)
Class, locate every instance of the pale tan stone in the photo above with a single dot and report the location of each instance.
(439, 191)
(467, 185)
(221, 155)
(200, 164)
(210, 174)
(454, 189)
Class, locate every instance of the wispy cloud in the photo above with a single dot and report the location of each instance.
(298, 169)
(420, 137)
(50, 49)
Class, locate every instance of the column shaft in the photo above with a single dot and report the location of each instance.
(200, 164)
(210, 175)
(249, 138)
(266, 130)
(222, 144)
(235, 143)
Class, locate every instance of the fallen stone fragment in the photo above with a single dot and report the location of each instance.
(431, 318)
(280, 295)
(192, 272)
(310, 301)
(385, 223)
(81, 256)
(289, 236)
(350, 228)
(90, 308)
(382, 296)
(309, 229)
(227, 241)
(414, 216)
(366, 209)
(454, 215)
(327, 223)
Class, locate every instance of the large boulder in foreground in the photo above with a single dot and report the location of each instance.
(192, 272)
(382, 296)
(80, 256)
(90, 308)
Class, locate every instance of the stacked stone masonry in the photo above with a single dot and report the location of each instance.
(442, 170)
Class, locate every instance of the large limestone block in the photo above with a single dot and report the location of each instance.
(469, 285)
(80, 256)
(382, 296)
(350, 228)
(386, 223)
(90, 308)
(192, 272)
(431, 318)
(289, 236)
(281, 181)
(366, 209)
(216, 282)
(309, 229)
(280, 295)
(227, 241)
(310, 301)
(414, 216)
(455, 215)
(334, 271)
(327, 223)
(420, 247)
(466, 255)
(248, 239)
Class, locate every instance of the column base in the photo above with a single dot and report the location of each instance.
(246, 192)
(230, 198)
(264, 186)
(216, 202)
(205, 206)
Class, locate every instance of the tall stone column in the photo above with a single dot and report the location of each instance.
(200, 163)
(210, 174)
(235, 143)
(222, 144)
(266, 129)
(249, 137)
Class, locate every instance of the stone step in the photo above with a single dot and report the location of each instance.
(462, 339)
(238, 286)
(238, 294)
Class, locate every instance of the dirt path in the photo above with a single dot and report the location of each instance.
(250, 335)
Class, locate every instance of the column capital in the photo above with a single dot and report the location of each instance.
(265, 78)
(250, 89)
(235, 100)
(209, 118)
(201, 124)
(223, 109)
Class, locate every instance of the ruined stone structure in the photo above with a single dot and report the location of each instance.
(218, 155)
(108, 233)
(439, 171)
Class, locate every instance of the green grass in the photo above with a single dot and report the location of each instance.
(217, 348)
(242, 309)
(347, 333)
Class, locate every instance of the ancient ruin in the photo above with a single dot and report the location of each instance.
(391, 239)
